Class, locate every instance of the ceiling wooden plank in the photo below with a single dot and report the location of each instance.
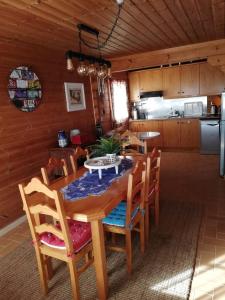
(218, 12)
(205, 11)
(193, 14)
(145, 24)
(182, 18)
(154, 18)
(166, 13)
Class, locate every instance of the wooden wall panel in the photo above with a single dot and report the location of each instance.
(26, 137)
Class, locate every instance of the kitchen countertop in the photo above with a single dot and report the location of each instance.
(163, 118)
(210, 117)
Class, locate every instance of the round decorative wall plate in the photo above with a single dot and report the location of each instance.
(24, 89)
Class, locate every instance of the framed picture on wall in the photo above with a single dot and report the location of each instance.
(75, 98)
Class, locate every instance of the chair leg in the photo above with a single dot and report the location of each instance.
(74, 280)
(156, 209)
(113, 238)
(48, 267)
(147, 223)
(129, 251)
(42, 271)
(142, 234)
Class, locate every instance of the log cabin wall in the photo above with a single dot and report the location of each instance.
(27, 136)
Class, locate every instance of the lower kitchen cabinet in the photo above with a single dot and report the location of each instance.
(149, 125)
(175, 134)
(181, 134)
(190, 134)
(171, 133)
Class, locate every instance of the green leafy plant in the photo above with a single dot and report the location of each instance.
(106, 146)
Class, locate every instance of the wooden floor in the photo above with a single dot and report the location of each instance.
(191, 176)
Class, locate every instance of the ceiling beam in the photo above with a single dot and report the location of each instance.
(168, 56)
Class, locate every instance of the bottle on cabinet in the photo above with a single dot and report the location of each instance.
(134, 113)
(212, 108)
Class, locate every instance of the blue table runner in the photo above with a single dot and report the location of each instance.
(90, 184)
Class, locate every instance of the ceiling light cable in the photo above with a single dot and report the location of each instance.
(103, 44)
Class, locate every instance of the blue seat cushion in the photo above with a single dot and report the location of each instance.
(117, 217)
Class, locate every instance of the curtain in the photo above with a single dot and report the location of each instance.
(119, 100)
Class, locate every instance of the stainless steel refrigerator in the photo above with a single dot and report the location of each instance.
(222, 136)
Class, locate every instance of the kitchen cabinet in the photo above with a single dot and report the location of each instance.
(190, 133)
(171, 82)
(181, 81)
(134, 86)
(189, 80)
(212, 80)
(149, 125)
(181, 133)
(151, 80)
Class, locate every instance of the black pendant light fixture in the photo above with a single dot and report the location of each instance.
(92, 65)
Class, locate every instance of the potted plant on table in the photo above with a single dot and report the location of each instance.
(109, 147)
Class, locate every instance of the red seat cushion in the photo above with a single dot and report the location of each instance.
(80, 234)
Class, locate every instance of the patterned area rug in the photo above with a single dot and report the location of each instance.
(163, 273)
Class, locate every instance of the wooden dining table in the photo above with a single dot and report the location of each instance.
(93, 209)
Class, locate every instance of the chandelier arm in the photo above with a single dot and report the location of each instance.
(103, 44)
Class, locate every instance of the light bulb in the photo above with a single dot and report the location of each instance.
(109, 74)
(92, 71)
(82, 68)
(69, 64)
(119, 2)
(102, 71)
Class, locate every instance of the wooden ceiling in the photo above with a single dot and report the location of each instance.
(144, 25)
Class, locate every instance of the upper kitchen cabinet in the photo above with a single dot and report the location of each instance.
(171, 82)
(182, 81)
(151, 80)
(212, 80)
(134, 86)
(189, 80)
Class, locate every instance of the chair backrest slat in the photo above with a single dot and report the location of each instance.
(129, 139)
(79, 153)
(136, 189)
(49, 228)
(54, 169)
(44, 209)
(153, 170)
(45, 197)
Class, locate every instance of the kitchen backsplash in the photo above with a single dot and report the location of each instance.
(150, 108)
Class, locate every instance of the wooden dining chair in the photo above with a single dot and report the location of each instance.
(130, 144)
(129, 214)
(55, 169)
(152, 188)
(69, 240)
(77, 159)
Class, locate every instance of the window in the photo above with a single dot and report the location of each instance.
(120, 100)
